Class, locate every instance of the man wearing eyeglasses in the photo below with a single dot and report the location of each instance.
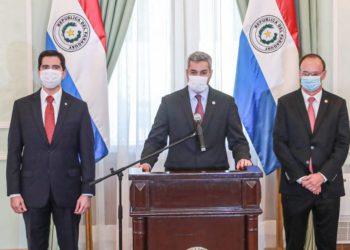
(311, 140)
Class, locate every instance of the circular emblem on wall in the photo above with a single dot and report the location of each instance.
(71, 32)
(267, 34)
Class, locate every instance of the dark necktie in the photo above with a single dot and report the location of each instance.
(312, 118)
(49, 119)
(199, 107)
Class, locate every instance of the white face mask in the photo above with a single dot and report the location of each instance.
(50, 78)
(198, 84)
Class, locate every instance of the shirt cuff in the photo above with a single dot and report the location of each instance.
(14, 195)
(324, 177)
(88, 195)
(300, 179)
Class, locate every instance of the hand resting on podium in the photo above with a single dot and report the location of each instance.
(242, 164)
(145, 167)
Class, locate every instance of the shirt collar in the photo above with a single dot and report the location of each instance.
(56, 97)
(317, 96)
(204, 94)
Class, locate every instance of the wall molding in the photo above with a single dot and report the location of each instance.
(4, 125)
(3, 156)
(335, 45)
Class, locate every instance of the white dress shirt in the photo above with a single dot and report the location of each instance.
(56, 103)
(194, 101)
(56, 107)
(316, 106)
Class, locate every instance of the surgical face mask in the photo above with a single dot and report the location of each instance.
(310, 83)
(50, 78)
(198, 84)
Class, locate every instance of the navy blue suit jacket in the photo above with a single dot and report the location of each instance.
(175, 120)
(328, 145)
(37, 169)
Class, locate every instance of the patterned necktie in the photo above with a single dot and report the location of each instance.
(199, 107)
(49, 119)
(312, 118)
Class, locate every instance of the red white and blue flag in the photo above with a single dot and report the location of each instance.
(76, 30)
(267, 68)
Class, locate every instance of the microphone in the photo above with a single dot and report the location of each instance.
(198, 119)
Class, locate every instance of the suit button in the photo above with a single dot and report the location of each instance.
(307, 162)
(312, 147)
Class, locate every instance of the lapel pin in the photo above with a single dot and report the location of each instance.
(326, 101)
(65, 104)
(213, 102)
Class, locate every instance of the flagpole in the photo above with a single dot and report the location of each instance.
(279, 220)
(88, 229)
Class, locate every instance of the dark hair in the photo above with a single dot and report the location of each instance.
(313, 56)
(199, 56)
(51, 53)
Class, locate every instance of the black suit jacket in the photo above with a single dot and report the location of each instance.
(175, 119)
(63, 168)
(328, 145)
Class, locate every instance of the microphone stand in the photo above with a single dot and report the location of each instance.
(120, 174)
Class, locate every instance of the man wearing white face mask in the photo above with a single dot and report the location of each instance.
(311, 140)
(50, 158)
(219, 119)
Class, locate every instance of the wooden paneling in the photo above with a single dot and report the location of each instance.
(181, 210)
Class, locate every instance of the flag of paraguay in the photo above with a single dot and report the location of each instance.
(267, 68)
(76, 30)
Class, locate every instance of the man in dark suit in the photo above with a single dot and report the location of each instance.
(311, 140)
(50, 158)
(220, 120)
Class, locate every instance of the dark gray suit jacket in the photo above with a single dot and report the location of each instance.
(175, 119)
(63, 168)
(328, 145)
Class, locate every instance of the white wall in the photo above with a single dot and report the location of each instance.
(341, 54)
(17, 67)
(15, 82)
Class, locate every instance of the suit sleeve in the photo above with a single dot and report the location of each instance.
(14, 155)
(158, 135)
(291, 167)
(236, 139)
(340, 151)
(87, 156)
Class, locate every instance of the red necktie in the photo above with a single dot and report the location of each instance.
(49, 118)
(199, 107)
(312, 118)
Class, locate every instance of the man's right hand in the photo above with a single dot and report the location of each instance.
(313, 183)
(145, 167)
(17, 204)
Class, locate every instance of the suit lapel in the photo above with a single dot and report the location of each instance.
(64, 106)
(322, 110)
(186, 107)
(302, 110)
(209, 108)
(38, 117)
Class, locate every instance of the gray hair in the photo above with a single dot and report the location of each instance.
(199, 56)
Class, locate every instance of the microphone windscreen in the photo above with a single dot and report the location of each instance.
(197, 117)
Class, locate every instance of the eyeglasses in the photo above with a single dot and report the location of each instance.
(305, 73)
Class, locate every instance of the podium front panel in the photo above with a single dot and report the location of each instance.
(212, 210)
(192, 194)
(185, 232)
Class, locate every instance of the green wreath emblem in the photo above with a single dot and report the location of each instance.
(65, 27)
(262, 31)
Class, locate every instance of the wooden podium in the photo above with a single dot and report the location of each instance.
(196, 210)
